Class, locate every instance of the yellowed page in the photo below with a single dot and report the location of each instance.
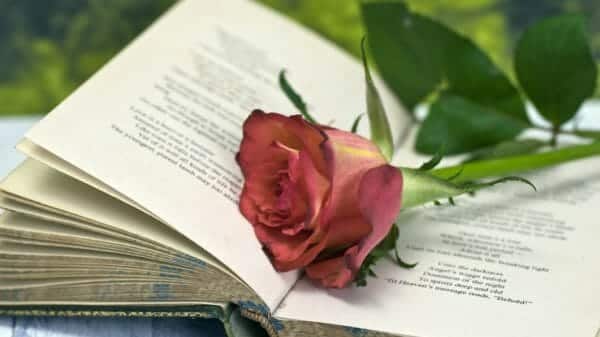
(45, 187)
(161, 123)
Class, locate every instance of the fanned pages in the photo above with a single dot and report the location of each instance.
(127, 205)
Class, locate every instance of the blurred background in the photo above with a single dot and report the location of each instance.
(49, 47)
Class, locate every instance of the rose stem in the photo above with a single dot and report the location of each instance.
(510, 165)
(421, 187)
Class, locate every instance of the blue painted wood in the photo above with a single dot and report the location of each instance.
(11, 131)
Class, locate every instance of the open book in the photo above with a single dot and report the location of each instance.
(127, 204)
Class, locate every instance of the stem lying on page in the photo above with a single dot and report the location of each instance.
(511, 165)
(421, 187)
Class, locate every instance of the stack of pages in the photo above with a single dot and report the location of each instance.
(127, 204)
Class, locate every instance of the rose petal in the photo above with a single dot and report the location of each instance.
(337, 272)
(345, 232)
(332, 273)
(315, 186)
(283, 247)
(291, 252)
(303, 260)
(306, 191)
(261, 130)
(380, 199)
(302, 194)
(348, 157)
(270, 188)
(266, 149)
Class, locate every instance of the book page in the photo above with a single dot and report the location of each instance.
(50, 192)
(161, 123)
(46, 158)
(509, 262)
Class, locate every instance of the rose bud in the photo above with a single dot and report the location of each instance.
(318, 198)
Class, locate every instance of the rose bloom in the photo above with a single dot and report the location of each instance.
(318, 198)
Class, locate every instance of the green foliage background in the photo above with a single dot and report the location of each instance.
(50, 47)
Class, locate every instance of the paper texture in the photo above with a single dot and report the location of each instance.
(510, 262)
(161, 123)
(78, 201)
(60, 263)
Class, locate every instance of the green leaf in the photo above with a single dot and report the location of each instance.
(472, 74)
(294, 97)
(555, 67)
(356, 122)
(381, 134)
(506, 149)
(462, 125)
(418, 56)
(401, 45)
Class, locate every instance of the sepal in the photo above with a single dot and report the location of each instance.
(421, 187)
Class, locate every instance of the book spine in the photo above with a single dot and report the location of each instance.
(244, 323)
(238, 321)
(203, 312)
(263, 321)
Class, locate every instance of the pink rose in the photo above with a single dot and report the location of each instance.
(318, 198)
